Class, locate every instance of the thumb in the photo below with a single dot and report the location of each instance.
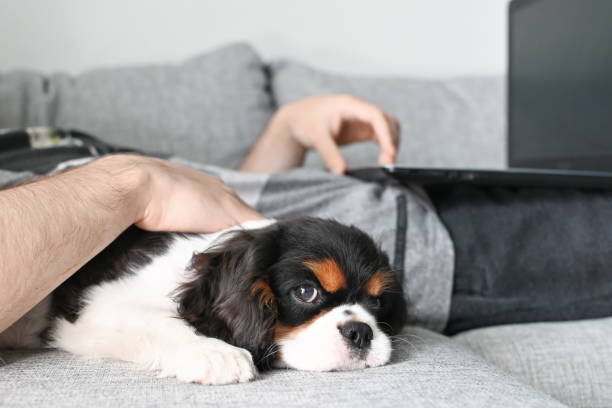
(328, 149)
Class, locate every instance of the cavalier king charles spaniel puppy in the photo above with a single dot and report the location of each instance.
(306, 293)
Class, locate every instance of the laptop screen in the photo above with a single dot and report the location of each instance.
(560, 84)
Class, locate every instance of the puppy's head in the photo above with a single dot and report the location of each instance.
(307, 293)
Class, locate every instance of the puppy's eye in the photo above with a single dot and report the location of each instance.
(306, 293)
(375, 302)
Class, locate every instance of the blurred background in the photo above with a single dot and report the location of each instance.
(422, 38)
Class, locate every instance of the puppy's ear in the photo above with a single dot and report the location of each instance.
(394, 313)
(229, 297)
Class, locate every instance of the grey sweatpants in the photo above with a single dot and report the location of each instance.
(527, 254)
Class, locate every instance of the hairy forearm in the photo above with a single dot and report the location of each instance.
(51, 227)
(275, 150)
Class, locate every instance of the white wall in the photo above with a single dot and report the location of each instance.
(406, 37)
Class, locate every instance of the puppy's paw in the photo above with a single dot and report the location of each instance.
(211, 362)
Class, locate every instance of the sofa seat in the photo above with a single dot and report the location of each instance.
(567, 360)
(428, 370)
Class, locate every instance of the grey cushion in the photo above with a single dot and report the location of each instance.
(428, 371)
(210, 108)
(570, 361)
(23, 99)
(455, 122)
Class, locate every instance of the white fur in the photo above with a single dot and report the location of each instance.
(321, 347)
(134, 319)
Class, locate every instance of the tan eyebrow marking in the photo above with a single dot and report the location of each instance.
(328, 273)
(379, 282)
(261, 289)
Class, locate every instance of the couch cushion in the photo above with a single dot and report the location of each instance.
(22, 99)
(428, 370)
(570, 360)
(454, 122)
(210, 108)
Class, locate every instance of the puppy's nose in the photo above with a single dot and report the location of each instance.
(358, 334)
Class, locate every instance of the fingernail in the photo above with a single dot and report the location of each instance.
(338, 170)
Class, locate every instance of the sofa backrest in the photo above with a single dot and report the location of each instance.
(210, 108)
(213, 107)
(451, 122)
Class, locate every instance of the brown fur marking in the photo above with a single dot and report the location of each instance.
(261, 289)
(378, 283)
(328, 273)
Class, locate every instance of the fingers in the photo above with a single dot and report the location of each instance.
(394, 127)
(385, 139)
(243, 212)
(231, 208)
(394, 130)
(384, 126)
(323, 123)
(327, 148)
(186, 200)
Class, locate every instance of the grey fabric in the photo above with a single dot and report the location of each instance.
(249, 186)
(428, 251)
(527, 254)
(23, 100)
(427, 370)
(569, 360)
(210, 108)
(9, 178)
(427, 254)
(454, 122)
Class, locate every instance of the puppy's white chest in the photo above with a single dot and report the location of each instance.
(148, 289)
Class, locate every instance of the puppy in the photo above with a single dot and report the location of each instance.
(307, 293)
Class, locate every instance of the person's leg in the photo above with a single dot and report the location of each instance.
(527, 254)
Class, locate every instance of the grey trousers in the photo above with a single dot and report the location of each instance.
(527, 254)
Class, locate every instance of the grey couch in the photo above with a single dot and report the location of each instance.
(211, 109)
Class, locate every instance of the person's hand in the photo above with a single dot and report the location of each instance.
(172, 197)
(323, 123)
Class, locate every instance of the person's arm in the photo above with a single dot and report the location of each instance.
(322, 123)
(51, 227)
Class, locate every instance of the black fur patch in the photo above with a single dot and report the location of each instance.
(133, 249)
(219, 303)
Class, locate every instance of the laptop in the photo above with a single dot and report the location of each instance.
(559, 102)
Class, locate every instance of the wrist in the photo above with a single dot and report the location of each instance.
(279, 137)
(281, 133)
(129, 178)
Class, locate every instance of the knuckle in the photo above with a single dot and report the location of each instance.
(348, 98)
